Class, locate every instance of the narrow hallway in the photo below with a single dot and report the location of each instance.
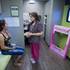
(24, 22)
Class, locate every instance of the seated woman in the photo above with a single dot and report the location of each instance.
(5, 34)
(5, 44)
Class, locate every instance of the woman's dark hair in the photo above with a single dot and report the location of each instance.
(2, 25)
(35, 15)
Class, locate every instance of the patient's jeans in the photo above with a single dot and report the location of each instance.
(15, 51)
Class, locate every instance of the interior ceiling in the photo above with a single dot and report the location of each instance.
(67, 2)
(41, 0)
(38, 0)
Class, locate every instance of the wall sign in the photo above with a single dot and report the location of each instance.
(14, 11)
(12, 21)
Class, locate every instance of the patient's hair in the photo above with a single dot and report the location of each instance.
(2, 25)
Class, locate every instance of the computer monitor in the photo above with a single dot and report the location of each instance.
(68, 16)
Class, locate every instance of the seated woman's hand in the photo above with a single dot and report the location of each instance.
(13, 47)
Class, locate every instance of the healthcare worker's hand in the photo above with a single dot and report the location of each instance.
(28, 34)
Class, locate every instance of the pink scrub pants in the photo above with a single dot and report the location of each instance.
(35, 47)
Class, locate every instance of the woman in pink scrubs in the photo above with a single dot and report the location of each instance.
(35, 35)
